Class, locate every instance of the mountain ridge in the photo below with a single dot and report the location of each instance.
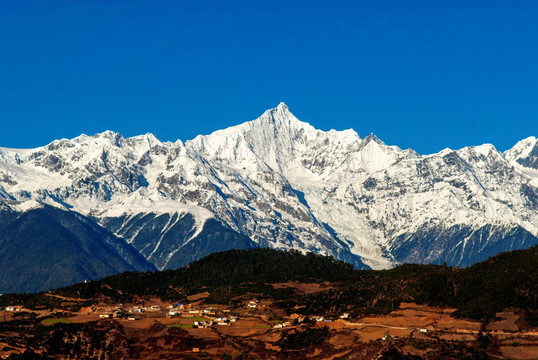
(281, 183)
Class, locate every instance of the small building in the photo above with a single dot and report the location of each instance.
(252, 304)
(119, 314)
(299, 318)
(203, 324)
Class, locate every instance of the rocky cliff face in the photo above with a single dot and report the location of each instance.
(279, 182)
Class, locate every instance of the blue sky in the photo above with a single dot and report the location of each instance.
(419, 74)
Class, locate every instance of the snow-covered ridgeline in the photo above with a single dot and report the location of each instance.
(284, 184)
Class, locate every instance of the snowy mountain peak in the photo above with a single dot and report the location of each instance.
(279, 118)
(115, 138)
(143, 142)
(281, 142)
(524, 153)
(373, 138)
(282, 106)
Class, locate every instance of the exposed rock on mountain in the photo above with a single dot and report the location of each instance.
(279, 182)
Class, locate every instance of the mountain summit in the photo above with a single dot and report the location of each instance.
(278, 182)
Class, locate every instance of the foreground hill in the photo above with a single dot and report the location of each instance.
(286, 305)
(506, 281)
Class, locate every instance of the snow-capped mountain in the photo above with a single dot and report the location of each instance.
(279, 182)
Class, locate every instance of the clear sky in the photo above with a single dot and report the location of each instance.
(420, 74)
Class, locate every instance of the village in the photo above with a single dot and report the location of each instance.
(254, 313)
(258, 320)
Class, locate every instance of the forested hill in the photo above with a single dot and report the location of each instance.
(506, 281)
(235, 267)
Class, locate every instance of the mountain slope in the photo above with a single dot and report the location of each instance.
(278, 182)
(372, 195)
(46, 248)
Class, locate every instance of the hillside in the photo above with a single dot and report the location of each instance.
(46, 248)
(286, 305)
(508, 280)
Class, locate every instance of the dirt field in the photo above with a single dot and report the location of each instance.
(9, 315)
(415, 316)
(243, 327)
(508, 322)
(84, 317)
(268, 337)
(302, 288)
(198, 296)
(204, 333)
(457, 337)
(344, 339)
(523, 352)
(406, 320)
(373, 332)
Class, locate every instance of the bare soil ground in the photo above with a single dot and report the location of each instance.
(410, 350)
(457, 337)
(507, 322)
(198, 296)
(243, 327)
(66, 298)
(523, 352)
(6, 350)
(146, 321)
(84, 317)
(206, 333)
(415, 316)
(343, 339)
(303, 288)
(315, 353)
(374, 332)
(271, 337)
(156, 301)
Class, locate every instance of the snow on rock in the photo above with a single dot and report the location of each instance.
(285, 184)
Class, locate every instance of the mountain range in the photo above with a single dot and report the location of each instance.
(92, 206)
